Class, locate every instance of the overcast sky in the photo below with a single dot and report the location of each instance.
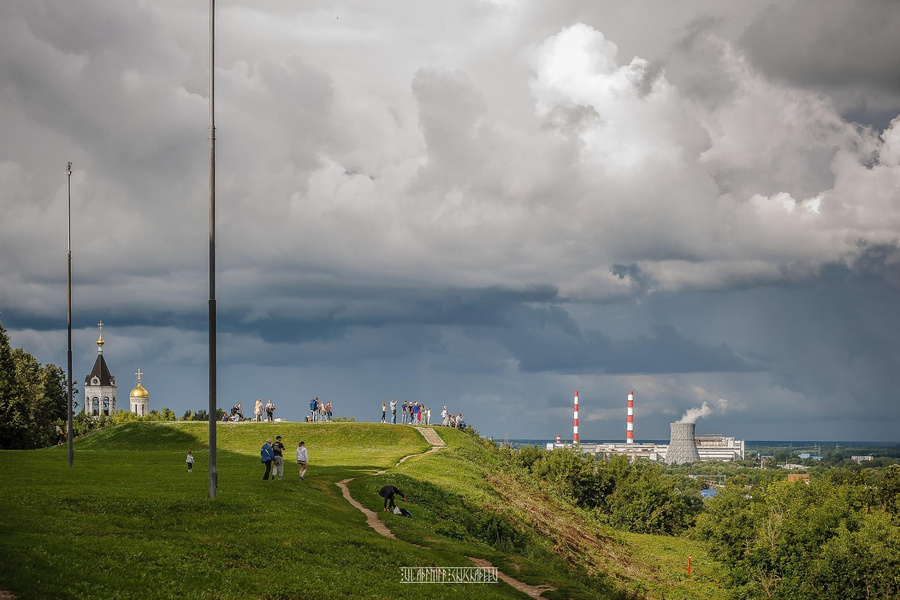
(484, 204)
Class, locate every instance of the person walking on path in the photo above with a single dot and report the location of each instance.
(278, 450)
(267, 455)
(393, 411)
(383, 412)
(270, 410)
(190, 461)
(388, 492)
(302, 459)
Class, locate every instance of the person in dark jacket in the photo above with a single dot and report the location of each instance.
(268, 455)
(388, 492)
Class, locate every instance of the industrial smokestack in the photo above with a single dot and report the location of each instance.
(629, 426)
(575, 426)
(682, 448)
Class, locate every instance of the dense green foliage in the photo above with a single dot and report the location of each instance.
(838, 537)
(32, 398)
(635, 496)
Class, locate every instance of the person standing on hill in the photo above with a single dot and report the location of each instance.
(267, 456)
(445, 417)
(257, 410)
(278, 450)
(302, 459)
(403, 409)
(393, 411)
(328, 411)
(190, 461)
(314, 408)
(383, 412)
(270, 410)
(388, 492)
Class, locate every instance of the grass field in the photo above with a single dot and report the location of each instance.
(128, 521)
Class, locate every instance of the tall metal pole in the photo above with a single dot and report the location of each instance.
(213, 470)
(69, 426)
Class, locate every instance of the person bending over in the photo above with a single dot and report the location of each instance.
(388, 492)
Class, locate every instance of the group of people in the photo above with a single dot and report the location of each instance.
(412, 413)
(237, 412)
(416, 413)
(269, 408)
(450, 420)
(272, 455)
(318, 411)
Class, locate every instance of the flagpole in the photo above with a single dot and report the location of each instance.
(69, 425)
(213, 470)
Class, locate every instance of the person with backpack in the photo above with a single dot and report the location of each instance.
(278, 451)
(270, 410)
(314, 408)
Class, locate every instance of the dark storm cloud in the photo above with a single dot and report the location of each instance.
(489, 203)
(848, 50)
(830, 43)
(548, 340)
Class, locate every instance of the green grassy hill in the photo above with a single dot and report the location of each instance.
(128, 521)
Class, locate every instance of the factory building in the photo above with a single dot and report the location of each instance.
(684, 446)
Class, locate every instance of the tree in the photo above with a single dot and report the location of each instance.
(32, 398)
(12, 411)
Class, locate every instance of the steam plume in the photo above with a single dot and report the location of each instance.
(704, 410)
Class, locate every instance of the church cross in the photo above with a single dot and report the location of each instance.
(139, 376)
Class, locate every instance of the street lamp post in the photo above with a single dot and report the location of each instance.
(213, 470)
(69, 425)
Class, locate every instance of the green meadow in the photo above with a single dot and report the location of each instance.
(129, 521)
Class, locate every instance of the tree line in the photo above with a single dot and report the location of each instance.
(836, 537)
(32, 398)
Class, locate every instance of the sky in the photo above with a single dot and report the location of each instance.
(484, 204)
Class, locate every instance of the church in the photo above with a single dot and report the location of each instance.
(100, 389)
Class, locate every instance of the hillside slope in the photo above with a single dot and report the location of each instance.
(128, 521)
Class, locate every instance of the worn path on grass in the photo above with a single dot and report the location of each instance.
(534, 591)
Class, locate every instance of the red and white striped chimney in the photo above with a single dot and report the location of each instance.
(629, 426)
(575, 426)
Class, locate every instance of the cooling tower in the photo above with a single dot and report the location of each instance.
(682, 448)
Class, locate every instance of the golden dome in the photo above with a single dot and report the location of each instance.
(139, 392)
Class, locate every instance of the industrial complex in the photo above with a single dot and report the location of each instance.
(684, 446)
